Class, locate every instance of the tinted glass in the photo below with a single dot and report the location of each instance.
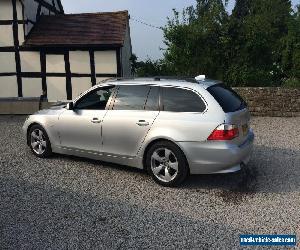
(131, 97)
(96, 100)
(228, 99)
(181, 100)
(153, 99)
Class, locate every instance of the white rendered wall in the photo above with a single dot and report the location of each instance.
(7, 62)
(6, 36)
(21, 34)
(55, 64)
(56, 89)
(8, 86)
(80, 85)
(106, 62)
(80, 62)
(30, 61)
(32, 87)
(6, 10)
(19, 10)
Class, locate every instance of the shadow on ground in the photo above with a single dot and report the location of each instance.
(271, 170)
(39, 217)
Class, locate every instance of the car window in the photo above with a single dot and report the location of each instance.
(95, 100)
(152, 103)
(131, 97)
(228, 99)
(182, 100)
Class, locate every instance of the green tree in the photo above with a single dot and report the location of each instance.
(194, 40)
(133, 64)
(151, 68)
(291, 51)
(256, 31)
(258, 44)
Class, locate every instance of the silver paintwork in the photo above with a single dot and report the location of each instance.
(123, 136)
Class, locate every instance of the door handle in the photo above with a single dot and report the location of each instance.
(96, 120)
(142, 123)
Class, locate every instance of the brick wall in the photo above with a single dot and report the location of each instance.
(272, 101)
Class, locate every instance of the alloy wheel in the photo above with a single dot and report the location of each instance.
(164, 164)
(38, 141)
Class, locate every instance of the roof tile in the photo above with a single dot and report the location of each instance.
(91, 29)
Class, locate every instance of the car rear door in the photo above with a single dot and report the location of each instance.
(130, 118)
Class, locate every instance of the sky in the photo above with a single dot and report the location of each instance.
(146, 41)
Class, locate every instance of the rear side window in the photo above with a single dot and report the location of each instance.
(228, 99)
(182, 100)
(131, 97)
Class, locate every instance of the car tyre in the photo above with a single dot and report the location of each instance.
(167, 164)
(39, 142)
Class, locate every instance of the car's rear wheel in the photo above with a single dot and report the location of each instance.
(167, 164)
(39, 141)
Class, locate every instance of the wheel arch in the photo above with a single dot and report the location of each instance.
(28, 129)
(151, 143)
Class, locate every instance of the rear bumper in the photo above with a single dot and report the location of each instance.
(217, 157)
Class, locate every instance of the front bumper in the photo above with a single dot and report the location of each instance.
(214, 157)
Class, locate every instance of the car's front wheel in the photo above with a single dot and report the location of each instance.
(167, 164)
(39, 142)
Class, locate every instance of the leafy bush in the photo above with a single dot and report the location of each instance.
(291, 83)
(258, 44)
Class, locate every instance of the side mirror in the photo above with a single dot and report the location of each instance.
(70, 106)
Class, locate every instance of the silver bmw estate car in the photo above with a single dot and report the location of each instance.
(171, 128)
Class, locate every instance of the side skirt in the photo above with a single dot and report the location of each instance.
(135, 162)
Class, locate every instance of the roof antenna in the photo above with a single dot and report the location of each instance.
(200, 78)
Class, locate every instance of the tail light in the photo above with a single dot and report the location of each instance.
(224, 132)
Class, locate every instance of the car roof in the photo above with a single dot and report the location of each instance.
(161, 81)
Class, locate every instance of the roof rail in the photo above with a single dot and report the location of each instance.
(153, 78)
(181, 78)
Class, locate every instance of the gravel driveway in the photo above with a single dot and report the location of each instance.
(73, 203)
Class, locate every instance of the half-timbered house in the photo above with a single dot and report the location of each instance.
(46, 52)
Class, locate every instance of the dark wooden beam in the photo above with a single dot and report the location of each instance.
(119, 63)
(16, 45)
(60, 6)
(107, 75)
(49, 6)
(7, 49)
(68, 75)
(8, 74)
(93, 70)
(72, 47)
(38, 12)
(43, 72)
(10, 22)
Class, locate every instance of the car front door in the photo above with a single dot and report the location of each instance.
(80, 128)
(127, 123)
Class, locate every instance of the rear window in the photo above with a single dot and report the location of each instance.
(228, 99)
